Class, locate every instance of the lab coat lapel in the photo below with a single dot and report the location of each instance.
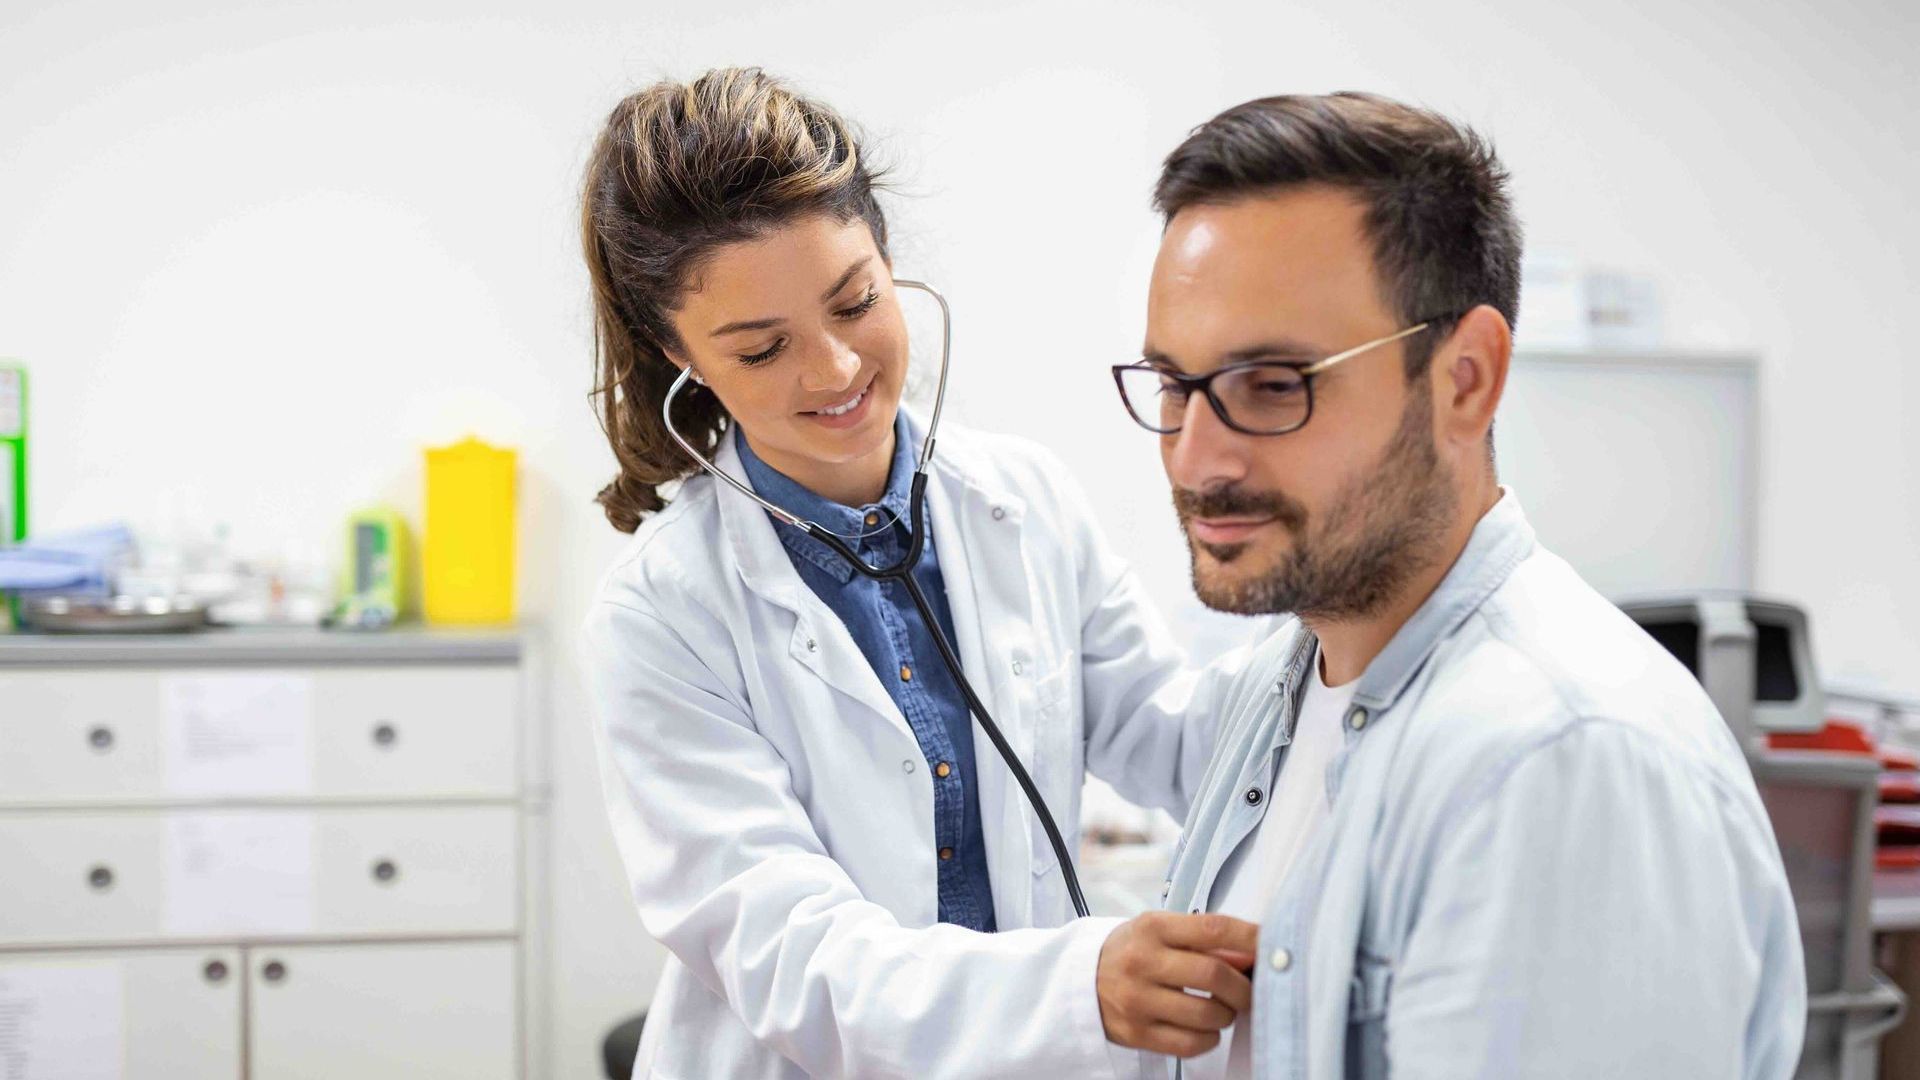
(818, 641)
(977, 537)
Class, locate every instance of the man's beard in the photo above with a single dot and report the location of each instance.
(1377, 534)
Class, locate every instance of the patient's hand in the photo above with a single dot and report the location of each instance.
(1148, 963)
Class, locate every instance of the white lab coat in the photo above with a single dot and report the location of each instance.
(775, 813)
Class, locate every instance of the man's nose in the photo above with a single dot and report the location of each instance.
(1205, 453)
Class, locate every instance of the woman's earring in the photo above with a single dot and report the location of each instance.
(699, 379)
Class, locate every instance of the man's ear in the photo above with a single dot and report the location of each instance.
(1469, 376)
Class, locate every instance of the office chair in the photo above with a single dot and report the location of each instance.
(621, 1046)
(1822, 806)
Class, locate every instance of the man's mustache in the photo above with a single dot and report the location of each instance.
(1233, 501)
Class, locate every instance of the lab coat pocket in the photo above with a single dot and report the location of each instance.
(1367, 1016)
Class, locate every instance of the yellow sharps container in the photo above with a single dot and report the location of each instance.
(467, 564)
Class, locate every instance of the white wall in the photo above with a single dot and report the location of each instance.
(258, 255)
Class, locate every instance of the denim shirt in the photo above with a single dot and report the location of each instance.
(1544, 855)
(887, 627)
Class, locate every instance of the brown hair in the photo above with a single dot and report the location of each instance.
(679, 170)
(1444, 235)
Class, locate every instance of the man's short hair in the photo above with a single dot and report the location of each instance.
(1444, 236)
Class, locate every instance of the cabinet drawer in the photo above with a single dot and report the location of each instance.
(78, 735)
(136, 1013)
(320, 1012)
(129, 876)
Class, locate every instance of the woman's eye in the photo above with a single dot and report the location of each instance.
(865, 305)
(766, 354)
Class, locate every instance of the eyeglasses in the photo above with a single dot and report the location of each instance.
(1257, 397)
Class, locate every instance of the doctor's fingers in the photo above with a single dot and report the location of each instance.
(1207, 932)
(1176, 1041)
(1180, 971)
(1162, 1005)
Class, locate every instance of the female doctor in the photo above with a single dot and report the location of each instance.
(848, 879)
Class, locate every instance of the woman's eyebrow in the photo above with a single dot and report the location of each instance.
(745, 324)
(858, 265)
(764, 324)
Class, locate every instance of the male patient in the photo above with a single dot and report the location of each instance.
(1487, 827)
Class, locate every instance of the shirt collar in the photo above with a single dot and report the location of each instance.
(1501, 541)
(846, 521)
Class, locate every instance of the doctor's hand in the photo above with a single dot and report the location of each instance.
(1149, 962)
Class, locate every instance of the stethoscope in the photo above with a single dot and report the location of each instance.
(902, 572)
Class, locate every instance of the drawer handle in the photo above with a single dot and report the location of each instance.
(101, 878)
(215, 971)
(384, 871)
(273, 971)
(384, 735)
(101, 738)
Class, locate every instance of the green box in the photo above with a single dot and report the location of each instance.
(13, 452)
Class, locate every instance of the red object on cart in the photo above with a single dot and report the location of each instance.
(1899, 787)
(1898, 817)
(1897, 857)
(1845, 737)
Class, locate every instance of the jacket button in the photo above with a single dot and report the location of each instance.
(873, 519)
(999, 513)
(906, 673)
(1253, 796)
(943, 770)
(906, 766)
(1357, 719)
(1281, 960)
(946, 853)
(812, 645)
(1017, 667)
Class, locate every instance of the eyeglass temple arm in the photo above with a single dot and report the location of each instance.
(1319, 366)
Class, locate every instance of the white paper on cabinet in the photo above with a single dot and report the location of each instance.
(62, 1021)
(232, 871)
(243, 733)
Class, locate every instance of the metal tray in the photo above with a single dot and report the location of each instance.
(116, 615)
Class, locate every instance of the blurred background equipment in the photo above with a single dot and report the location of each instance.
(1657, 493)
(13, 453)
(1753, 656)
(1844, 799)
(377, 581)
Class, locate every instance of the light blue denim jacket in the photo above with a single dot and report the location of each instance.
(1544, 854)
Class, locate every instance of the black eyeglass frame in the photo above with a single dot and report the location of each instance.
(1307, 370)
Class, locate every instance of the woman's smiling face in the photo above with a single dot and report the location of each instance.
(799, 334)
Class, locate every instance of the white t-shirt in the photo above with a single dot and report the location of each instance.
(1296, 808)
